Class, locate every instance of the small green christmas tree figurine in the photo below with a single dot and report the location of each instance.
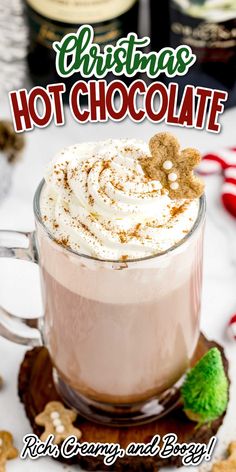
(205, 389)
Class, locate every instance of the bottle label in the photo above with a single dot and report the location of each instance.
(204, 24)
(210, 35)
(207, 10)
(44, 32)
(81, 11)
(209, 28)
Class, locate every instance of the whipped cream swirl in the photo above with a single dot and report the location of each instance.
(98, 202)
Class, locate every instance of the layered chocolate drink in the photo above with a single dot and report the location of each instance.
(121, 270)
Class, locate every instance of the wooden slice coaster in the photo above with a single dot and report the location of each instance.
(36, 389)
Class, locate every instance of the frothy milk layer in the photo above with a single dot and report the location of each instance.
(98, 202)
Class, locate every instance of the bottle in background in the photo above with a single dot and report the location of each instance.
(160, 27)
(160, 24)
(50, 20)
(209, 28)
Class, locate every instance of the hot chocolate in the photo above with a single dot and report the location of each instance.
(121, 273)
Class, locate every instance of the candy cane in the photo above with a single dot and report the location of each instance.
(218, 162)
(228, 194)
(231, 329)
(224, 162)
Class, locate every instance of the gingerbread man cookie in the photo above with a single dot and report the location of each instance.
(57, 420)
(228, 465)
(7, 450)
(172, 167)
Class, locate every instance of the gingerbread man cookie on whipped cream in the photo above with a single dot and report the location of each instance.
(173, 167)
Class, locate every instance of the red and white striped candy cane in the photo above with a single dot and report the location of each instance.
(228, 194)
(217, 162)
(224, 162)
(231, 329)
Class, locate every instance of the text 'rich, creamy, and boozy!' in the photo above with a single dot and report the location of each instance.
(97, 201)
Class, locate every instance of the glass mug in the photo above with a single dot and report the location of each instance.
(121, 335)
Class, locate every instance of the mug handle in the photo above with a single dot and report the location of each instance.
(19, 245)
